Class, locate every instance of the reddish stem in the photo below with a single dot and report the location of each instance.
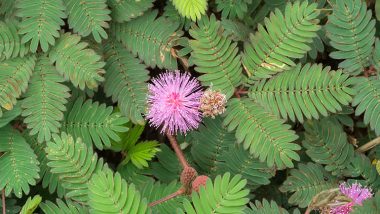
(3, 201)
(177, 150)
(178, 192)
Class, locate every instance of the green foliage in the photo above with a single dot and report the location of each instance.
(265, 207)
(326, 143)
(155, 190)
(351, 30)
(125, 10)
(223, 195)
(307, 181)
(192, 9)
(370, 206)
(235, 30)
(363, 171)
(31, 204)
(41, 21)
(126, 81)
(94, 123)
(167, 168)
(262, 133)
(308, 92)
(87, 17)
(74, 163)
(150, 39)
(45, 100)
(367, 101)
(18, 163)
(233, 8)
(76, 62)
(215, 56)
(285, 37)
(8, 116)
(109, 193)
(129, 138)
(142, 152)
(14, 77)
(61, 207)
(10, 40)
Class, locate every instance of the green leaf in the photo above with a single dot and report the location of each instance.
(18, 164)
(76, 62)
(74, 163)
(192, 9)
(61, 207)
(125, 10)
(45, 100)
(141, 153)
(262, 133)
(31, 205)
(306, 182)
(94, 122)
(41, 22)
(88, 17)
(223, 195)
(215, 56)
(265, 207)
(109, 193)
(8, 116)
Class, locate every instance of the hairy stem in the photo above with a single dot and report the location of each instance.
(3, 200)
(178, 192)
(177, 150)
(371, 144)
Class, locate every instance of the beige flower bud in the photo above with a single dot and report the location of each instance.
(213, 103)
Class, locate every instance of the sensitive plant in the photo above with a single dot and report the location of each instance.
(198, 106)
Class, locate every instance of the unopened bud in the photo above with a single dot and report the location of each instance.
(213, 103)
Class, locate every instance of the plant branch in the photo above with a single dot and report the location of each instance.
(177, 150)
(371, 144)
(177, 193)
(3, 201)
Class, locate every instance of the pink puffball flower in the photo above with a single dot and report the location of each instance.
(173, 102)
(356, 193)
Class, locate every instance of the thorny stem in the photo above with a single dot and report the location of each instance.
(177, 150)
(371, 144)
(3, 200)
(177, 193)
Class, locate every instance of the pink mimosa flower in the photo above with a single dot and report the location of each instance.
(356, 193)
(173, 102)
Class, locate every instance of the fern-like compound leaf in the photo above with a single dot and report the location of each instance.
(87, 17)
(285, 37)
(326, 143)
(209, 143)
(143, 152)
(265, 207)
(41, 22)
(306, 182)
(223, 195)
(351, 30)
(308, 92)
(260, 131)
(94, 123)
(167, 168)
(45, 100)
(367, 101)
(109, 193)
(125, 10)
(239, 161)
(62, 207)
(8, 116)
(77, 62)
(74, 163)
(31, 205)
(18, 163)
(126, 81)
(14, 76)
(192, 9)
(215, 55)
(233, 8)
(363, 171)
(150, 39)
(154, 191)
(49, 180)
(10, 41)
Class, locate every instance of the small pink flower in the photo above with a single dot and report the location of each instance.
(356, 193)
(173, 102)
